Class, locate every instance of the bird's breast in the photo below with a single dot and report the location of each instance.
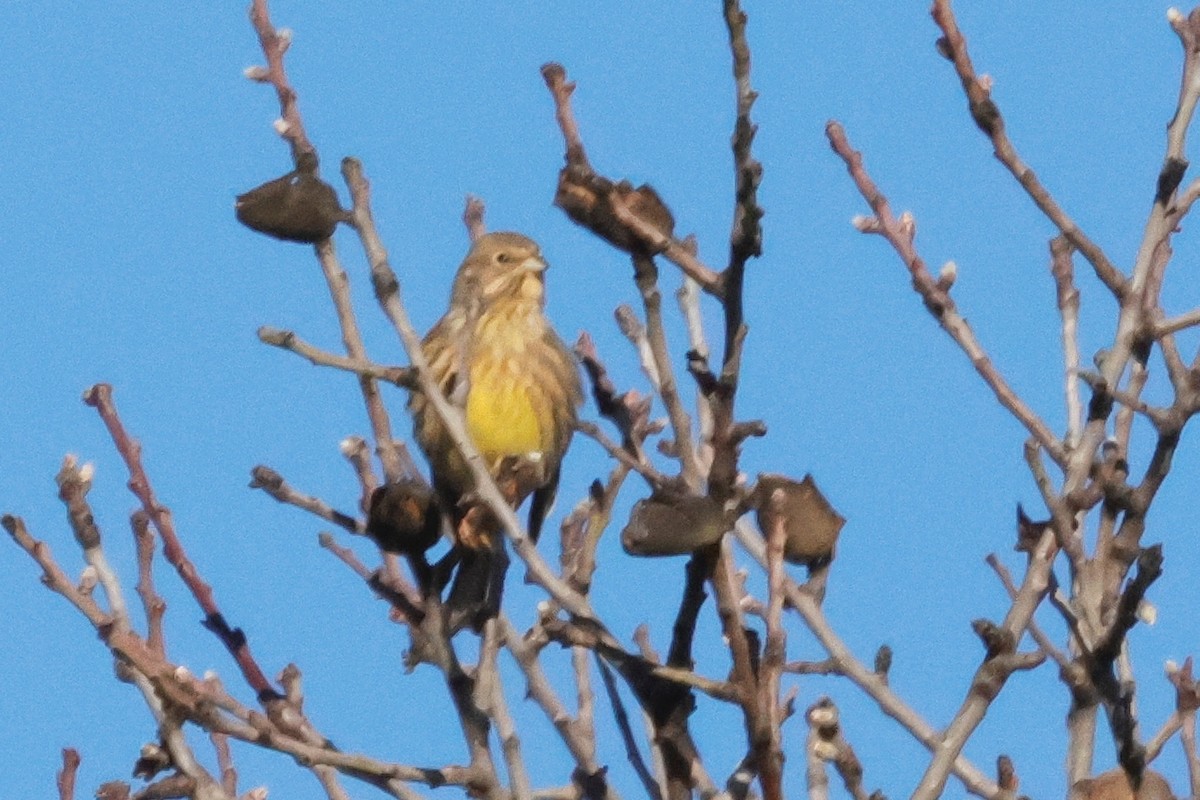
(501, 416)
(501, 410)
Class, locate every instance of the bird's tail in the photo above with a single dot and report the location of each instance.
(478, 587)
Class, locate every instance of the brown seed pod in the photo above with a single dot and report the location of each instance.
(588, 199)
(297, 207)
(404, 517)
(665, 525)
(1114, 785)
(810, 523)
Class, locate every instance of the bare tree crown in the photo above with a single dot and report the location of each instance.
(758, 553)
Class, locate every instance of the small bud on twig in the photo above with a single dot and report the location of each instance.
(947, 275)
(864, 223)
(88, 579)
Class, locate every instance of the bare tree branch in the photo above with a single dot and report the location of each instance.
(900, 233)
(987, 116)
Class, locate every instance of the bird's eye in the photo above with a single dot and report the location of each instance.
(503, 258)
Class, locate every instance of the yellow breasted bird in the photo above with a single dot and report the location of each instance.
(522, 395)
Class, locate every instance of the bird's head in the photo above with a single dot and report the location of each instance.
(502, 266)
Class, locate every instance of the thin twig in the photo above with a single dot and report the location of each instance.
(828, 744)
(377, 413)
(765, 756)
(402, 595)
(490, 696)
(229, 776)
(66, 776)
(473, 213)
(271, 482)
(1188, 319)
(575, 734)
(622, 718)
(775, 650)
(688, 297)
(291, 127)
(1170, 727)
(1062, 267)
(646, 276)
(100, 397)
(989, 679)
(642, 467)
(1035, 630)
(288, 340)
(274, 44)
(580, 171)
(154, 605)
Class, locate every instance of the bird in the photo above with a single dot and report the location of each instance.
(495, 354)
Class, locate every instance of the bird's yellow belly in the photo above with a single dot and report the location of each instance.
(500, 415)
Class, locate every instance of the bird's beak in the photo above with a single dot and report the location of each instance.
(534, 264)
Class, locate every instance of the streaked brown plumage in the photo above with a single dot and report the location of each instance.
(522, 396)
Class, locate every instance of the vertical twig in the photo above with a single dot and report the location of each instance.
(229, 776)
(274, 45)
(578, 737)
(585, 696)
(473, 213)
(489, 691)
(66, 775)
(1187, 738)
(152, 602)
(688, 297)
(622, 717)
(646, 277)
(775, 649)
(1063, 269)
(339, 291)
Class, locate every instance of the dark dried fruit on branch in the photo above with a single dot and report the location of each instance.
(811, 524)
(1029, 531)
(297, 207)
(667, 525)
(404, 517)
(598, 204)
(152, 760)
(1114, 785)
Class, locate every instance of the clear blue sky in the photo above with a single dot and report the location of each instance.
(128, 129)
